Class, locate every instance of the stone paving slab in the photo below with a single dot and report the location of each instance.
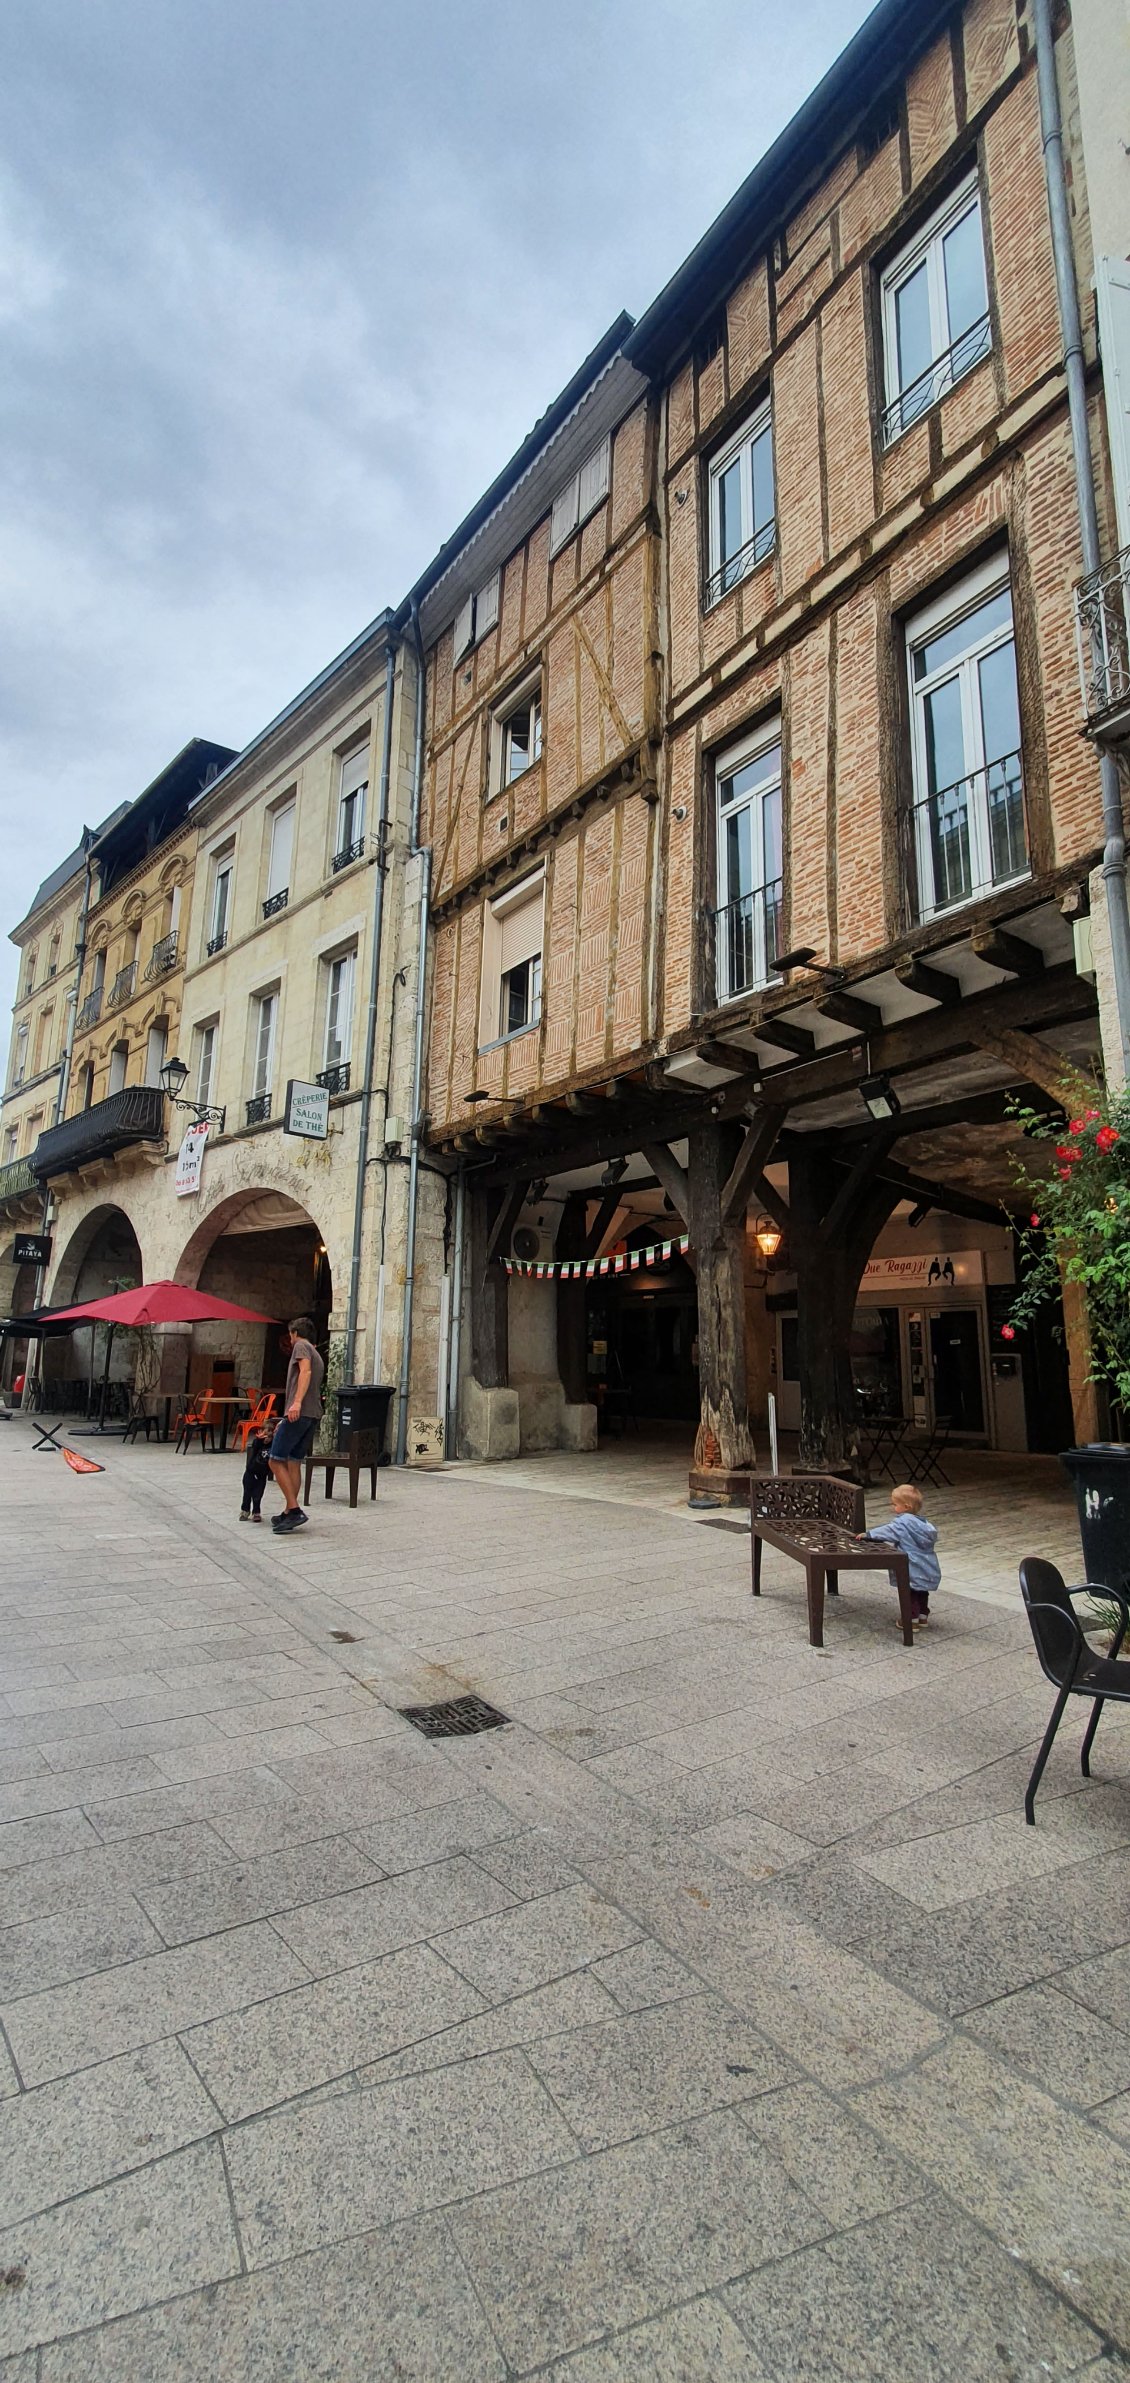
(719, 2019)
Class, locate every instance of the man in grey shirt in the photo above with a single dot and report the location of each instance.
(294, 1432)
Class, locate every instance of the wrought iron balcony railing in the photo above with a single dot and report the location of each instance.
(1102, 624)
(136, 1114)
(276, 902)
(122, 987)
(968, 838)
(334, 1079)
(259, 1109)
(163, 956)
(918, 396)
(349, 852)
(739, 566)
(91, 1009)
(17, 1177)
(747, 940)
(217, 943)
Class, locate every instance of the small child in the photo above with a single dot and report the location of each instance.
(917, 1538)
(255, 1478)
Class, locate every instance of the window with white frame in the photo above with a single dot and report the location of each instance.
(477, 614)
(750, 868)
(264, 1016)
(513, 927)
(205, 1041)
(11, 1144)
(338, 1030)
(352, 793)
(516, 735)
(30, 967)
(968, 809)
(86, 1084)
(156, 1050)
(743, 505)
(19, 1069)
(935, 310)
(279, 857)
(119, 1062)
(220, 898)
(582, 494)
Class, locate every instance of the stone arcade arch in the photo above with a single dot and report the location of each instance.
(263, 1249)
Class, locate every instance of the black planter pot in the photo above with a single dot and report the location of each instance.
(1101, 1475)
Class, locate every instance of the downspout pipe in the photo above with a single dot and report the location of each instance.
(371, 1017)
(35, 1358)
(425, 858)
(1071, 330)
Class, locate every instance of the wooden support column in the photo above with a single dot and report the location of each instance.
(493, 1216)
(835, 1213)
(724, 1435)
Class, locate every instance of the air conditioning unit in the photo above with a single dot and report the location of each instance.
(532, 1244)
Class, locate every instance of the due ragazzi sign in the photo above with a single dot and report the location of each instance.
(307, 1111)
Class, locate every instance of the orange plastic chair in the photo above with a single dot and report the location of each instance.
(263, 1404)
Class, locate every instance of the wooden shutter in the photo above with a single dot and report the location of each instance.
(486, 606)
(564, 518)
(593, 479)
(464, 629)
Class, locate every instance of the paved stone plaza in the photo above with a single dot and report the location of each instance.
(719, 2019)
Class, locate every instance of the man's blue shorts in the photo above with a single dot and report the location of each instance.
(293, 1441)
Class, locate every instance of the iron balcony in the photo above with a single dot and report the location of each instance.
(17, 1178)
(136, 1114)
(1102, 627)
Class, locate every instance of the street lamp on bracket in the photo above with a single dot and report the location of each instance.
(174, 1077)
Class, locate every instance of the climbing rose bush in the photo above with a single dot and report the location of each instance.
(1078, 1182)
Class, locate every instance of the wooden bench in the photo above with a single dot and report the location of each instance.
(350, 1459)
(814, 1518)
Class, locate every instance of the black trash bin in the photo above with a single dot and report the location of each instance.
(1101, 1475)
(363, 1407)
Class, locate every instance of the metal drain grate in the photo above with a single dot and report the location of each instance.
(462, 1717)
(345, 1638)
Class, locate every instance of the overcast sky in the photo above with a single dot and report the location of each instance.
(282, 285)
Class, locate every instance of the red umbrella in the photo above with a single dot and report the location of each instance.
(160, 1303)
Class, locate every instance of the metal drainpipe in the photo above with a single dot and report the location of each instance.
(451, 1380)
(35, 1354)
(371, 1022)
(418, 1052)
(1114, 850)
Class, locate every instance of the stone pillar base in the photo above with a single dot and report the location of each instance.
(489, 1427)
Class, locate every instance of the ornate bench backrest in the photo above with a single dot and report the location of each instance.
(806, 1497)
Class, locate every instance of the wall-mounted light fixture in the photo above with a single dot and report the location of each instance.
(768, 1237)
(174, 1077)
(612, 1173)
(879, 1098)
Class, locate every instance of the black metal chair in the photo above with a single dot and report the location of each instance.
(1067, 1660)
(926, 1455)
(141, 1418)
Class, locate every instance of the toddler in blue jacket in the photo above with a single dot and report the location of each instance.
(909, 1530)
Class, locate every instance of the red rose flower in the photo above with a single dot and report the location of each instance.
(1008, 1332)
(1078, 1125)
(1105, 1138)
(1066, 1155)
(1033, 1220)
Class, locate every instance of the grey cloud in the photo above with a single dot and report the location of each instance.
(281, 286)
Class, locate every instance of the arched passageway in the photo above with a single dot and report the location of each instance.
(263, 1250)
(103, 1255)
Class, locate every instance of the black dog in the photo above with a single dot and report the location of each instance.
(255, 1478)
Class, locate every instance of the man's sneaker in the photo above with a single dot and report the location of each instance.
(286, 1521)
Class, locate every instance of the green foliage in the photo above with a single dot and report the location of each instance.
(1079, 1230)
